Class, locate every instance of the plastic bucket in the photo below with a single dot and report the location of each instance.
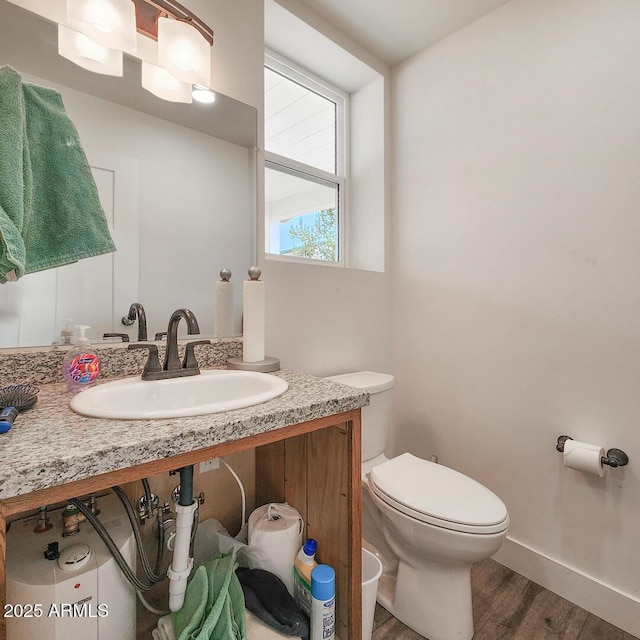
(371, 571)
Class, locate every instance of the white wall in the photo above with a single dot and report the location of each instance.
(516, 253)
(327, 320)
(369, 169)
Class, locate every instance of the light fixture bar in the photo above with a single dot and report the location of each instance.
(148, 12)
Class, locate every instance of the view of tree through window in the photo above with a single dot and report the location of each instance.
(315, 238)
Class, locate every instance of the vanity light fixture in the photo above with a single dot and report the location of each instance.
(111, 23)
(203, 94)
(97, 32)
(86, 53)
(183, 52)
(163, 85)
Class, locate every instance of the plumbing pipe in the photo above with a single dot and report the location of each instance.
(186, 487)
(144, 602)
(182, 563)
(111, 546)
(90, 512)
(242, 493)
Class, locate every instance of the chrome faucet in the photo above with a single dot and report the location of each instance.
(136, 310)
(172, 367)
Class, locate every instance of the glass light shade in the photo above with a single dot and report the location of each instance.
(183, 51)
(111, 23)
(162, 84)
(203, 94)
(88, 54)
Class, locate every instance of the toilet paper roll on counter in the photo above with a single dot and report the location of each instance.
(583, 456)
(253, 297)
(275, 537)
(223, 324)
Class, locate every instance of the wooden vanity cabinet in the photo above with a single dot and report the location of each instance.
(314, 466)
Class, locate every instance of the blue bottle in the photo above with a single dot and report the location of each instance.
(323, 603)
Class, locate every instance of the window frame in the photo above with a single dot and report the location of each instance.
(287, 165)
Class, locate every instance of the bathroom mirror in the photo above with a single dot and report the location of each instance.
(177, 183)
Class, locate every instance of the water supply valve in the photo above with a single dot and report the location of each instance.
(92, 505)
(145, 510)
(44, 524)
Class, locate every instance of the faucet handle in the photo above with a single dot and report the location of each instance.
(123, 336)
(189, 361)
(153, 362)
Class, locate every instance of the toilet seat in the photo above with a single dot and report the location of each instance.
(438, 495)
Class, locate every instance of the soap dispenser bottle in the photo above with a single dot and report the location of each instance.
(66, 333)
(81, 366)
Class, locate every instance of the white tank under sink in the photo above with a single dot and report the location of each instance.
(82, 595)
(426, 522)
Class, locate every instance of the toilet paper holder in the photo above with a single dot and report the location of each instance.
(614, 457)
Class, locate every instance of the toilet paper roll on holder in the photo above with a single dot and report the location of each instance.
(614, 457)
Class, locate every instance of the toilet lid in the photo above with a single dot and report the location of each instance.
(436, 494)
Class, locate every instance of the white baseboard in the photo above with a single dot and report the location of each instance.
(603, 600)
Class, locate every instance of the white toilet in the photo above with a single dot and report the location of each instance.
(427, 523)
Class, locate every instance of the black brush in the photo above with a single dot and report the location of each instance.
(13, 399)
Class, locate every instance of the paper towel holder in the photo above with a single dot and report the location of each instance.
(268, 364)
(614, 457)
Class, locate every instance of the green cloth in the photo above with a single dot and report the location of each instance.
(213, 607)
(50, 213)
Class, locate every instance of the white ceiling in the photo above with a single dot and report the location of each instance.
(396, 29)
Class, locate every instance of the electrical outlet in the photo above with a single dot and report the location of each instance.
(209, 465)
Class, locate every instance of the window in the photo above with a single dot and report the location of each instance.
(305, 160)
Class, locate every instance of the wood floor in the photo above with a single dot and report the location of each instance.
(507, 606)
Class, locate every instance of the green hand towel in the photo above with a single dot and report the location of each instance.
(188, 621)
(214, 604)
(50, 213)
(226, 618)
(13, 189)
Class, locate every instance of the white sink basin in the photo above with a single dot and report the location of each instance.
(212, 391)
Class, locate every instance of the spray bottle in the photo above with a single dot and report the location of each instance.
(323, 603)
(81, 366)
(302, 567)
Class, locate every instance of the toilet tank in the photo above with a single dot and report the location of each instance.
(376, 418)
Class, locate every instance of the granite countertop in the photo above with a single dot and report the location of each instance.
(51, 445)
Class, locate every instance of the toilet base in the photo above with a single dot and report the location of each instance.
(434, 600)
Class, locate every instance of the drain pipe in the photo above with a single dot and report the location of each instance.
(182, 563)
